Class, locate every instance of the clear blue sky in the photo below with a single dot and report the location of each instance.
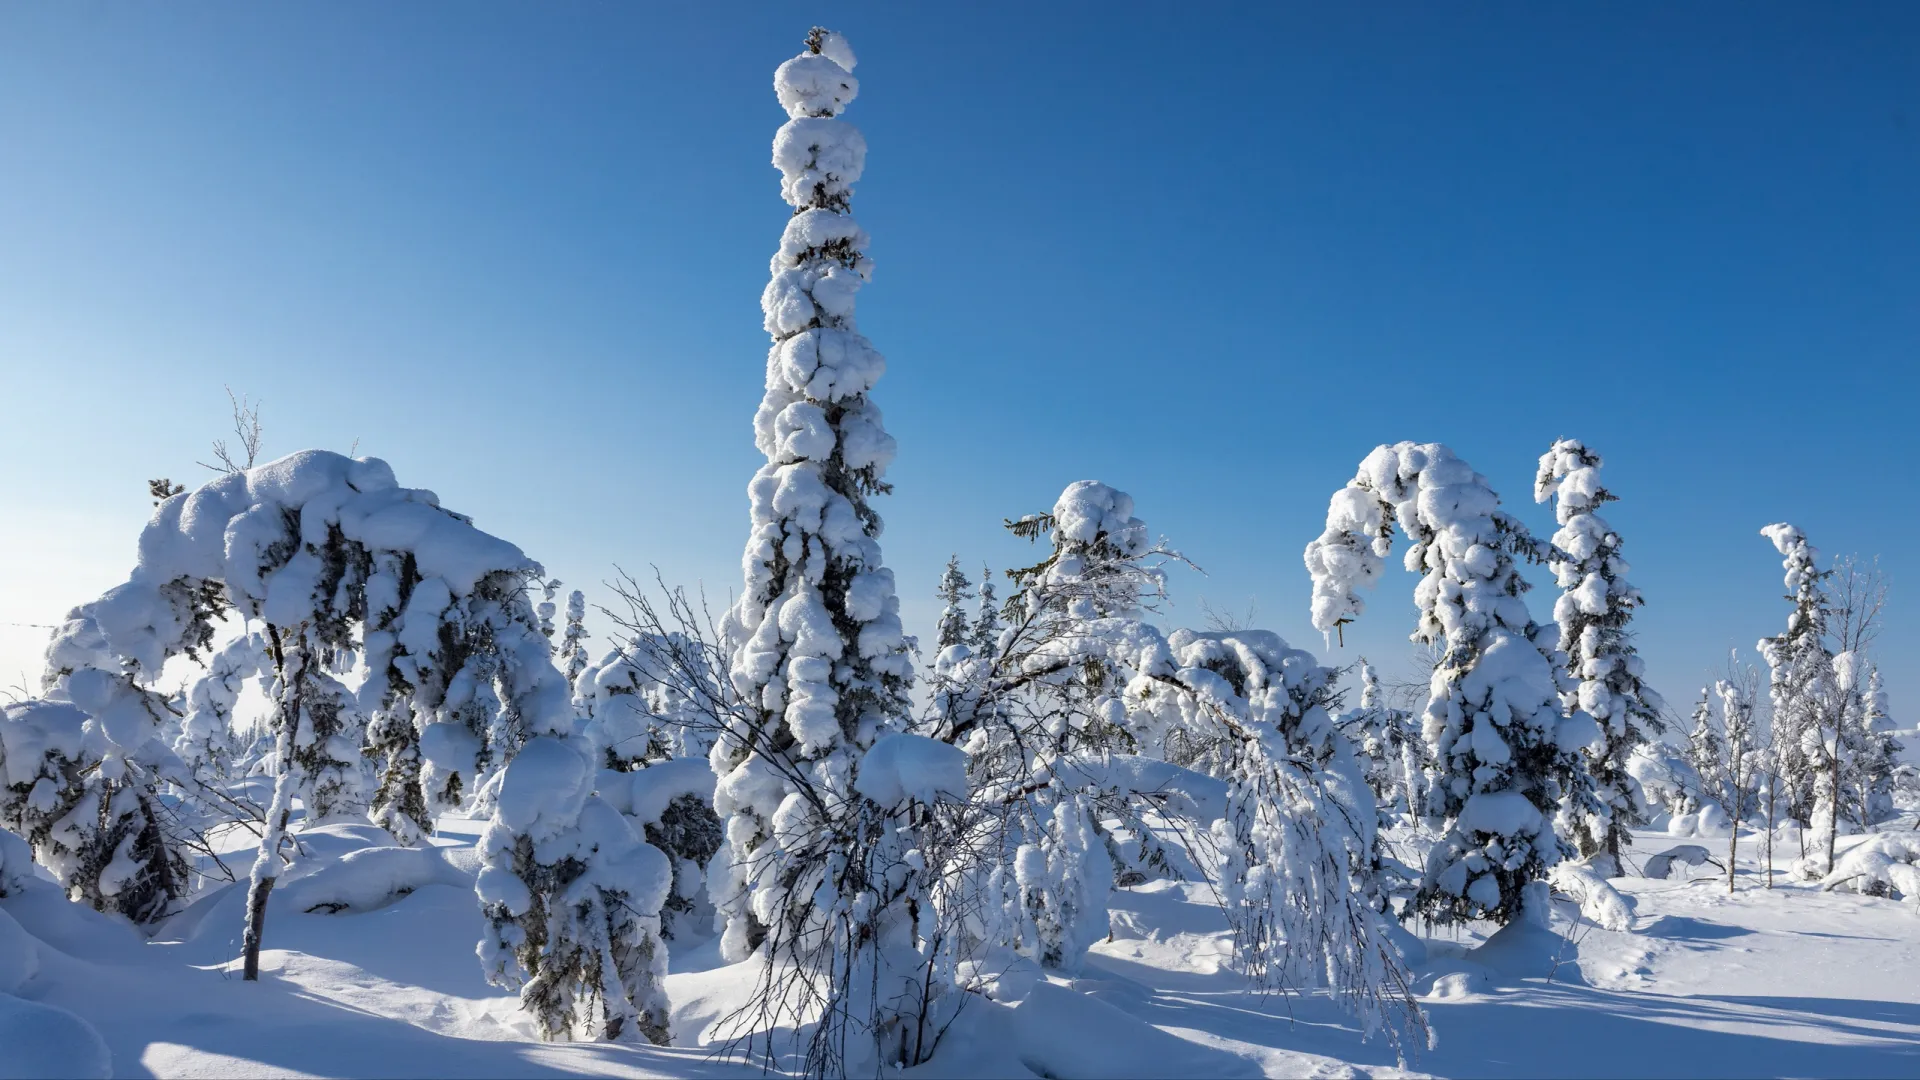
(1209, 256)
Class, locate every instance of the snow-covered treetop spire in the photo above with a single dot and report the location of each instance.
(1803, 579)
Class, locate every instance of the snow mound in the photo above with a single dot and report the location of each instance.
(1066, 1034)
(1883, 866)
(41, 1041)
(371, 878)
(19, 955)
(1597, 897)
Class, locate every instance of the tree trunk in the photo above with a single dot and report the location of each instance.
(1773, 794)
(1733, 847)
(256, 922)
(1833, 800)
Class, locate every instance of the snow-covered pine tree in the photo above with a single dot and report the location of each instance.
(572, 651)
(820, 655)
(985, 635)
(1505, 755)
(571, 894)
(1878, 760)
(1734, 770)
(208, 745)
(1388, 741)
(1801, 686)
(1705, 749)
(953, 593)
(1596, 605)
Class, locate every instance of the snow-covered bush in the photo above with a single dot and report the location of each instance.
(1507, 759)
(824, 878)
(1594, 610)
(1886, 865)
(572, 896)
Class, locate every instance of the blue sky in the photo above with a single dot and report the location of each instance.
(1211, 257)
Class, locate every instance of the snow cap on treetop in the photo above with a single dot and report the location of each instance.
(818, 82)
(1089, 509)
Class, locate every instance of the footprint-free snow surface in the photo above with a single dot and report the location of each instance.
(1788, 981)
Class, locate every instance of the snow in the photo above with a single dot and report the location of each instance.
(901, 766)
(1792, 981)
(371, 878)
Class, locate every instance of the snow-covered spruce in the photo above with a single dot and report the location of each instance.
(953, 593)
(1507, 760)
(819, 874)
(651, 739)
(1803, 692)
(572, 650)
(572, 895)
(87, 804)
(1388, 741)
(1703, 752)
(1872, 769)
(1596, 605)
(209, 744)
(984, 638)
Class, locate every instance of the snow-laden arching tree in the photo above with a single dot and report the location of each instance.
(1507, 759)
(814, 870)
(335, 559)
(1596, 605)
(1085, 721)
(1801, 685)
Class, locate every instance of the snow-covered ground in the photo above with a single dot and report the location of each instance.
(1790, 981)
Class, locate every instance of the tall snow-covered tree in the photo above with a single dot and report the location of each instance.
(1802, 688)
(985, 634)
(1506, 757)
(820, 657)
(954, 591)
(572, 651)
(1596, 605)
